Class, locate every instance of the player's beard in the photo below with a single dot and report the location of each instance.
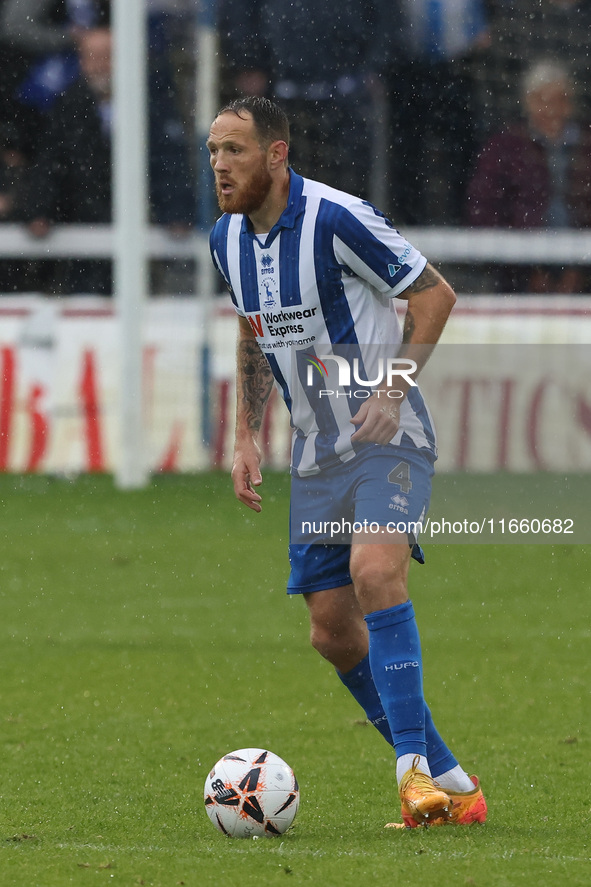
(249, 197)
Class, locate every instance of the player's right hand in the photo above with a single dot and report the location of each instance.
(246, 475)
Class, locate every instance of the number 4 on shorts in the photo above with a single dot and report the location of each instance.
(400, 475)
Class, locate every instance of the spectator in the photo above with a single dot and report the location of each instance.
(13, 169)
(537, 174)
(38, 56)
(433, 103)
(13, 164)
(45, 36)
(71, 181)
(320, 64)
(525, 31)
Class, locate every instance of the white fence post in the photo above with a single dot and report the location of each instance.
(130, 221)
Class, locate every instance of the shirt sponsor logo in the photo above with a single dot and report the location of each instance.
(279, 323)
(394, 269)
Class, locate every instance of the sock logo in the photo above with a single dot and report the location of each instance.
(398, 666)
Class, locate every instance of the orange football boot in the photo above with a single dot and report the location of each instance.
(466, 808)
(423, 801)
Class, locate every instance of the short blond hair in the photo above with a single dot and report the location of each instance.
(543, 73)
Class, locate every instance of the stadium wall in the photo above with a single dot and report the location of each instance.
(508, 387)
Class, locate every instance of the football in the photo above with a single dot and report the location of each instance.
(251, 793)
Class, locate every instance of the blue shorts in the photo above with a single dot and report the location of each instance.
(382, 487)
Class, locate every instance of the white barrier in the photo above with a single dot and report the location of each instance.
(59, 386)
(59, 362)
(459, 245)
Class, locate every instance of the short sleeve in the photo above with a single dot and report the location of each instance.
(367, 244)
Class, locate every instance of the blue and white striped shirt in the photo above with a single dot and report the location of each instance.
(321, 280)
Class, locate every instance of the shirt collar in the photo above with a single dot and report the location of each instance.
(294, 201)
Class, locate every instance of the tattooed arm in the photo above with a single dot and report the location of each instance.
(254, 382)
(430, 300)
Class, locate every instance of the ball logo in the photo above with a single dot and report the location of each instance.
(251, 792)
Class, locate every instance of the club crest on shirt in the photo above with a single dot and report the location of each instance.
(268, 289)
(269, 293)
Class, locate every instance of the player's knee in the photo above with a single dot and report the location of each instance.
(368, 575)
(337, 644)
(378, 585)
(324, 641)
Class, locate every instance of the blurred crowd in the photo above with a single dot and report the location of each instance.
(56, 121)
(441, 112)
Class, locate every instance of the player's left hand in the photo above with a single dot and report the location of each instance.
(377, 419)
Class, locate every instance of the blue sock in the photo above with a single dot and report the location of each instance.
(359, 683)
(397, 669)
(438, 754)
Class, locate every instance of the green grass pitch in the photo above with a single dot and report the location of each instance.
(145, 634)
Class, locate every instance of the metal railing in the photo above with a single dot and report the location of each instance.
(457, 245)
